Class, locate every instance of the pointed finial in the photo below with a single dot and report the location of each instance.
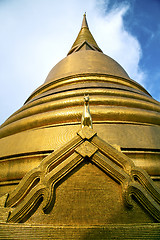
(84, 22)
(86, 116)
(86, 37)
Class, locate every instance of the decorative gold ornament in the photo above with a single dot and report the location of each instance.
(38, 185)
(86, 116)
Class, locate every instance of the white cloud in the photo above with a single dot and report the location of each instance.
(118, 43)
(35, 35)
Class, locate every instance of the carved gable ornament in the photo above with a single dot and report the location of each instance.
(38, 186)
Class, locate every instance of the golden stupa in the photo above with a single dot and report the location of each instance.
(80, 159)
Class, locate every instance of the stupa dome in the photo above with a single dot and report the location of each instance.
(91, 170)
(86, 62)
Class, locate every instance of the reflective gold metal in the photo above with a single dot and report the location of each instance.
(84, 37)
(82, 181)
(41, 182)
(86, 119)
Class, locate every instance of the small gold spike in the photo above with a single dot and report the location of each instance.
(84, 22)
(86, 116)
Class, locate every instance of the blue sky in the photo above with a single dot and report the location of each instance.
(36, 34)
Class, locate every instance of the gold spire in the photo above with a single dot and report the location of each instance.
(84, 22)
(84, 38)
